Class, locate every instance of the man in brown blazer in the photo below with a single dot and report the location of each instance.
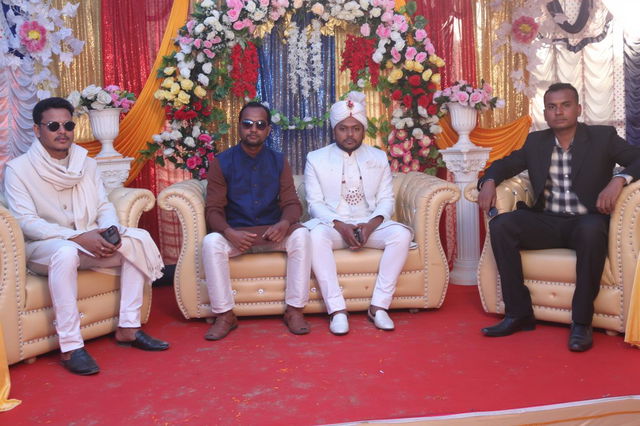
(252, 206)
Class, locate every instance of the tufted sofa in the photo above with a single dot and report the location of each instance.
(26, 314)
(550, 274)
(258, 279)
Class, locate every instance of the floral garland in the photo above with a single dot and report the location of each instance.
(34, 32)
(399, 57)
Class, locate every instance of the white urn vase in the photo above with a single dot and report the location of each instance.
(463, 120)
(105, 125)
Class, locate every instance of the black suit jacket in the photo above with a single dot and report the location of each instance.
(594, 154)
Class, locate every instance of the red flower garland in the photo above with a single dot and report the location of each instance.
(357, 56)
(245, 70)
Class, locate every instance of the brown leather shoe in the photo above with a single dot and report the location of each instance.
(294, 319)
(224, 324)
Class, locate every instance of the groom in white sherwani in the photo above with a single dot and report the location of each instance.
(350, 196)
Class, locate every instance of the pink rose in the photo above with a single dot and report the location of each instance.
(407, 157)
(475, 98)
(428, 47)
(395, 55)
(461, 96)
(396, 150)
(238, 25)
(197, 43)
(193, 162)
(209, 53)
(414, 165)
(410, 53)
(216, 40)
(394, 165)
(365, 30)
(421, 57)
(233, 14)
(204, 138)
(421, 35)
(383, 32)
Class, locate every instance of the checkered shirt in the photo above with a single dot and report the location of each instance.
(558, 196)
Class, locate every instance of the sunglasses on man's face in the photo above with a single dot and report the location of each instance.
(248, 124)
(53, 126)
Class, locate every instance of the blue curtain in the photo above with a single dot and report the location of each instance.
(273, 88)
(632, 89)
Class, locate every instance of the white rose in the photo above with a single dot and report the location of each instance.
(97, 105)
(196, 131)
(190, 64)
(200, 57)
(361, 83)
(74, 98)
(229, 35)
(409, 122)
(210, 21)
(422, 111)
(157, 138)
(364, 4)
(218, 26)
(166, 136)
(250, 7)
(259, 15)
(190, 142)
(397, 112)
(207, 68)
(199, 29)
(399, 124)
(203, 79)
(297, 4)
(317, 8)
(168, 152)
(400, 45)
(91, 91)
(417, 133)
(176, 134)
(206, 3)
(375, 12)
(377, 57)
(275, 118)
(179, 56)
(185, 72)
(435, 129)
(104, 98)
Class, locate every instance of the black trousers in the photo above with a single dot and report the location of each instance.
(532, 230)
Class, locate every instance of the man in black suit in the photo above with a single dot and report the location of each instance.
(570, 166)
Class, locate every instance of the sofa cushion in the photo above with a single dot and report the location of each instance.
(556, 265)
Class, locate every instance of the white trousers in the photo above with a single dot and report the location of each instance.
(216, 251)
(394, 239)
(64, 261)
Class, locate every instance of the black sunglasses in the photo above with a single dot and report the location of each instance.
(260, 124)
(53, 126)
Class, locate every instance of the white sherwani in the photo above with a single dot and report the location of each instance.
(49, 216)
(323, 180)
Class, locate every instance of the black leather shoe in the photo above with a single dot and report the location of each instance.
(581, 338)
(81, 363)
(510, 325)
(146, 343)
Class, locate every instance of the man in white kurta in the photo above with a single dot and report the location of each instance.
(350, 196)
(55, 192)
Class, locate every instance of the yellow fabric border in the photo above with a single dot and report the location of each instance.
(147, 116)
(632, 332)
(503, 140)
(5, 380)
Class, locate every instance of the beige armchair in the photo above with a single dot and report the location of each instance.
(550, 274)
(258, 279)
(26, 314)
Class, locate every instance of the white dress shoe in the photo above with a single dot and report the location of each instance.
(339, 324)
(381, 320)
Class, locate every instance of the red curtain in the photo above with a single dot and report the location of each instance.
(451, 27)
(131, 35)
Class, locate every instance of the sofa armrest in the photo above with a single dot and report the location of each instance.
(508, 193)
(624, 239)
(187, 200)
(12, 280)
(130, 203)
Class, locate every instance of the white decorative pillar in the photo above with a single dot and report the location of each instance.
(465, 160)
(114, 171)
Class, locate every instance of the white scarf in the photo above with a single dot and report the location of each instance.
(84, 199)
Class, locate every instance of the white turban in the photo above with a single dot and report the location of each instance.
(352, 106)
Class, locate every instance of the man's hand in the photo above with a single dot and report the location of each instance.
(276, 232)
(609, 195)
(487, 195)
(366, 229)
(348, 234)
(242, 240)
(93, 242)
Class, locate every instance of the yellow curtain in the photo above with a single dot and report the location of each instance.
(503, 140)
(5, 381)
(632, 332)
(147, 116)
(86, 68)
(498, 75)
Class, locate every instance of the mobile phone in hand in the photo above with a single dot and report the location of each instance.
(358, 234)
(112, 235)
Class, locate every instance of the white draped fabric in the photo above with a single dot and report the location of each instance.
(17, 99)
(596, 71)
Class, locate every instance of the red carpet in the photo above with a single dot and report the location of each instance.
(435, 363)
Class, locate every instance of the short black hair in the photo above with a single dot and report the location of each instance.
(254, 104)
(50, 103)
(556, 87)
